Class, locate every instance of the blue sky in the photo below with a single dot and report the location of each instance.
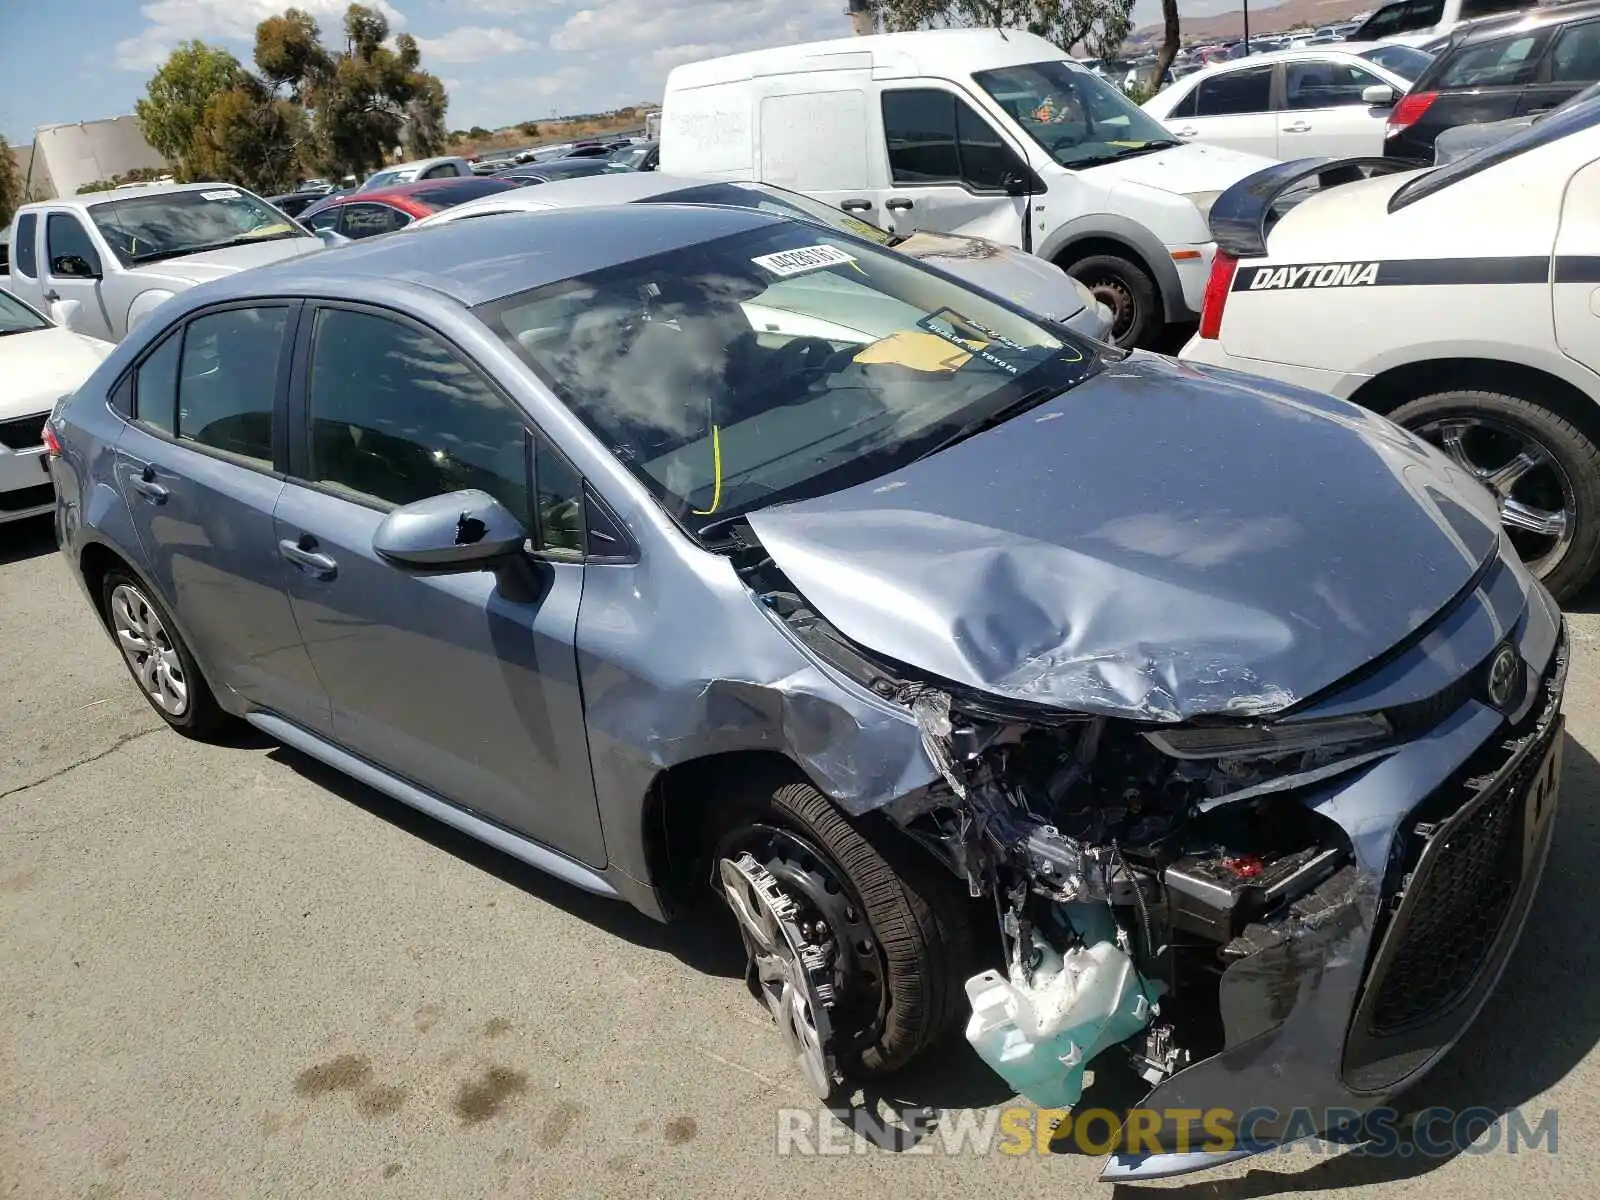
(501, 60)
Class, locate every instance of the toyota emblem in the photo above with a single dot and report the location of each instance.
(1502, 677)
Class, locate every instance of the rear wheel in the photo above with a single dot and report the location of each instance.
(1543, 470)
(1127, 290)
(158, 659)
(859, 943)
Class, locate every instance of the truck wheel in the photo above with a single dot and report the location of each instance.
(1128, 291)
(859, 942)
(158, 659)
(1544, 471)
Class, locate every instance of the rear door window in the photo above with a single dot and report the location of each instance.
(369, 220)
(228, 384)
(1575, 57)
(25, 250)
(1501, 63)
(1235, 93)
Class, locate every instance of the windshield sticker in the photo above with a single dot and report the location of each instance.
(806, 258)
(219, 195)
(917, 352)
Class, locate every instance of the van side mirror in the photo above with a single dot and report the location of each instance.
(459, 531)
(1379, 95)
(1020, 181)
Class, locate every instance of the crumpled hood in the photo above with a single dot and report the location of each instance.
(214, 264)
(39, 367)
(1184, 170)
(1160, 542)
(1022, 278)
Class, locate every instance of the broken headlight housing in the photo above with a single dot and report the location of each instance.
(1268, 741)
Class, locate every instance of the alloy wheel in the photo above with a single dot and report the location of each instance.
(1538, 505)
(148, 648)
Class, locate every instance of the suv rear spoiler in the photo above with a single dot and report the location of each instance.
(1243, 215)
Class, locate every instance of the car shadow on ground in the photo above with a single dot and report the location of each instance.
(22, 540)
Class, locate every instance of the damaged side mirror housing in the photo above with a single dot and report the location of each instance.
(459, 531)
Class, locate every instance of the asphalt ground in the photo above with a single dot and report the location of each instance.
(228, 971)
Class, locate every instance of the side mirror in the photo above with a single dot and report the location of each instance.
(1379, 95)
(73, 266)
(459, 531)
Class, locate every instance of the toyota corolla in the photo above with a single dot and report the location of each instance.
(1108, 707)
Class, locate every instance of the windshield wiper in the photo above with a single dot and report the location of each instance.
(999, 416)
(1099, 160)
(242, 240)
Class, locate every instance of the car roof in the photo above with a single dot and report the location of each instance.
(1322, 53)
(587, 191)
(417, 190)
(90, 199)
(474, 262)
(417, 162)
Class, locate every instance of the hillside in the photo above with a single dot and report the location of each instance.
(1288, 15)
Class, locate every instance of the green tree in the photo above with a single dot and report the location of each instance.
(253, 138)
(529, 129)
(10, 183)
(1100, 25)
(176, 100)
(478, 131)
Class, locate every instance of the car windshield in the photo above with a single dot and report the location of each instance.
(1077, 117)
(775, 200)
(778, 363)
(384, 179)
(1405, 61)
(146, 228)
(17, 317)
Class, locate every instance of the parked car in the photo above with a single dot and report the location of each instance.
(640, 156)
(39, 363)
(970, 131)
(1455, 300)
(560, 168)
(1505, 67)
(595, 535)
(414, 172)
(1292, 104)
(364, 213)
(102, 262)
(1462, 140)
(1025, 279)
(1419, 22)
(292, 204)
(1408, 62)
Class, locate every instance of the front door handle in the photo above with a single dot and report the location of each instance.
(147, 487)
(52, 296)
(898, 204)
(1187, 131)
(303, 554)
(1297, 127)
(857, 206)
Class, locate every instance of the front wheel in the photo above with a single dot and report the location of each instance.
(1128, 291)
(1543, 470)
(858, 945)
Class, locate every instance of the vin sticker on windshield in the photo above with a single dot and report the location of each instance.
(806, 258)
(227, 195)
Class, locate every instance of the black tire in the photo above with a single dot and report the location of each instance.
(1573, 474)
(919, 915)
(1127, 289)
(203, 719)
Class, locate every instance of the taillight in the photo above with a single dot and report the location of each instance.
(1409, 111)
(52, 444)
(1218, 284)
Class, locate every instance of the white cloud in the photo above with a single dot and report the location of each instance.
(472, 43)
(500, 8)
(663, 24)
(174, 21)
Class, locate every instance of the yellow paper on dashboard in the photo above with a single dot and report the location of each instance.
(918, 351)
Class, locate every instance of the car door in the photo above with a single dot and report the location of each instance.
(1571, 64)
(947, 169)
(1323, 113)
(73, 270)
(1232, 108)
(464, 684)
(198, 466)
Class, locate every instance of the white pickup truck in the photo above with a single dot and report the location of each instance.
(100, 263)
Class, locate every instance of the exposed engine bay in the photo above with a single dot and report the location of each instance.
(1129, 864)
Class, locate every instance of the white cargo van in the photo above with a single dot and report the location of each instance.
(987, 132)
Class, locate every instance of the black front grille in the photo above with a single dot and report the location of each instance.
(1456, 912)
(24, 433)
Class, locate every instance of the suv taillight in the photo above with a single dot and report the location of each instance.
(1409, 111)
(1218, 284)
(52, 444)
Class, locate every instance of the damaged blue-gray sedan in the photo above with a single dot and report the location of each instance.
(1114, 710)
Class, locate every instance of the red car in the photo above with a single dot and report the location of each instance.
(383, 210)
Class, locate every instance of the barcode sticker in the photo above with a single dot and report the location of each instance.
(806, 258)
(228, 195)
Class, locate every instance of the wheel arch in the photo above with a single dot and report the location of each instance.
(1389, 389)
(1108, 233)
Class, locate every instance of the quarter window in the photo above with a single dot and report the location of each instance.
(1325, 84)
(228, 386)
(936, 137)
(397, 417)
(25, 250)
(67, 246)
(1235, 93)
(155, 400)
(324, 220)
(561, 507)
(1493, 64)
(1576, 55)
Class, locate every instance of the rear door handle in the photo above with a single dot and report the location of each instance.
(898, 204)
(1297, 127)
(857, 206)
(303, 554)
(147, 487)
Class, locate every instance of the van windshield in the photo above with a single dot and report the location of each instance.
(1078, 118)
(779, 363)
